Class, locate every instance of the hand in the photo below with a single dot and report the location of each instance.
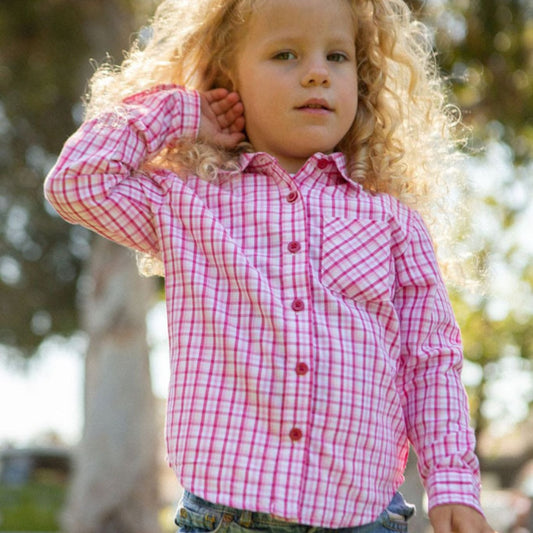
(222, 118)
(456, 518)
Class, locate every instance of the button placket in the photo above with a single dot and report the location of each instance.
(296, 404)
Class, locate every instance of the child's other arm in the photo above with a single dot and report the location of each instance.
(97, 181)
(429, 382)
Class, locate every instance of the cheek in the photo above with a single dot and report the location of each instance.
(243, 85)
(259, 102)
(355, 107)
(351, 99)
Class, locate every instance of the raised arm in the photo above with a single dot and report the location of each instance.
(97, 181)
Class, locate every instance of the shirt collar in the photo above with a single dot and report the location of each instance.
(324, 168)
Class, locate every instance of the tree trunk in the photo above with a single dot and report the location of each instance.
(114, 489)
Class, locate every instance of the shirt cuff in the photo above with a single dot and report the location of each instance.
(189, 121)
(454, 486)
(181, 106)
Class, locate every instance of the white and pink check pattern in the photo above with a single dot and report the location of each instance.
(310, 332)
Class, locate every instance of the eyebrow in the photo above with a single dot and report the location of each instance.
(290, 40)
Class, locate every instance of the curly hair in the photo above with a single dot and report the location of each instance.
(404, 137)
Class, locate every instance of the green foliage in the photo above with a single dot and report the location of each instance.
(40, 50)
(485, 48)
(492, 66)
(45, 53)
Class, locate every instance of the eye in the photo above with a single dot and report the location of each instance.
(285, 55)
(338, 57)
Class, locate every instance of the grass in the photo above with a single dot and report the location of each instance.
(31, 507)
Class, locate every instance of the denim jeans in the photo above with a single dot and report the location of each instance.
(195, 515)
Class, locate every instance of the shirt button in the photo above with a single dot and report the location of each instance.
(292, 197)
(294, 247)
(295, 434)
(322, 164)
(302, 369)
(298, 305)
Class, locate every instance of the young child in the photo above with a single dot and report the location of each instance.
(268, 154)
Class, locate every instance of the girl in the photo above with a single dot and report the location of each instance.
(267, 155)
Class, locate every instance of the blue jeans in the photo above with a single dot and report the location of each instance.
(195, 515)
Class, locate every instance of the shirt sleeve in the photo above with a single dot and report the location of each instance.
(434, 400)
(97, 181)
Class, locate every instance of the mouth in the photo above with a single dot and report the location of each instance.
(320, 105)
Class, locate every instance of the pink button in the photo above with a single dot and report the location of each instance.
(302, 369)
(294, 247)
(298, 305)
(296, 434)
(292, 197)
(322, 164)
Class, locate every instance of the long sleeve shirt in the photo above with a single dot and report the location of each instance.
(311, 335)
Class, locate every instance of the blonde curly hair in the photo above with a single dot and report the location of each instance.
(403, 140)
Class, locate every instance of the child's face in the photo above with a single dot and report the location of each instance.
(296, 75)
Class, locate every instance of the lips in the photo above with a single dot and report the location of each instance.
(318, 104)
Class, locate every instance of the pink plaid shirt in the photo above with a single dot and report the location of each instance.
(311, 335)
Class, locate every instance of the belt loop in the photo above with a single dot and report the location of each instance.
(246, 519)
(227, 517)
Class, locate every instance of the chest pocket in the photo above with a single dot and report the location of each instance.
(356, 258)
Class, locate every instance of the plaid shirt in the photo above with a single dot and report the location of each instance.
(311, 335)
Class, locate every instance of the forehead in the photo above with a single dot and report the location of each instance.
(291, 18)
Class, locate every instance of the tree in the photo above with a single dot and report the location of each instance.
(40, 82)
(45, 50)
(115, 484)
(485, 49)
(493, 66)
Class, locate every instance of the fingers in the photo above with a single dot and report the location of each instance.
(229, 140)
(222, 121)
(238, 125)
(234, 118)
(227, 108)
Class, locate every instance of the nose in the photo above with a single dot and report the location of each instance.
(316, 74)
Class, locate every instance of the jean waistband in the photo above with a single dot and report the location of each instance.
(240, 516)
(208, 514)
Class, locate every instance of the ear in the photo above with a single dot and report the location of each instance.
(218, 75)
(226, 80)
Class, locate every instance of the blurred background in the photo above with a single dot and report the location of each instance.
(83, 360)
